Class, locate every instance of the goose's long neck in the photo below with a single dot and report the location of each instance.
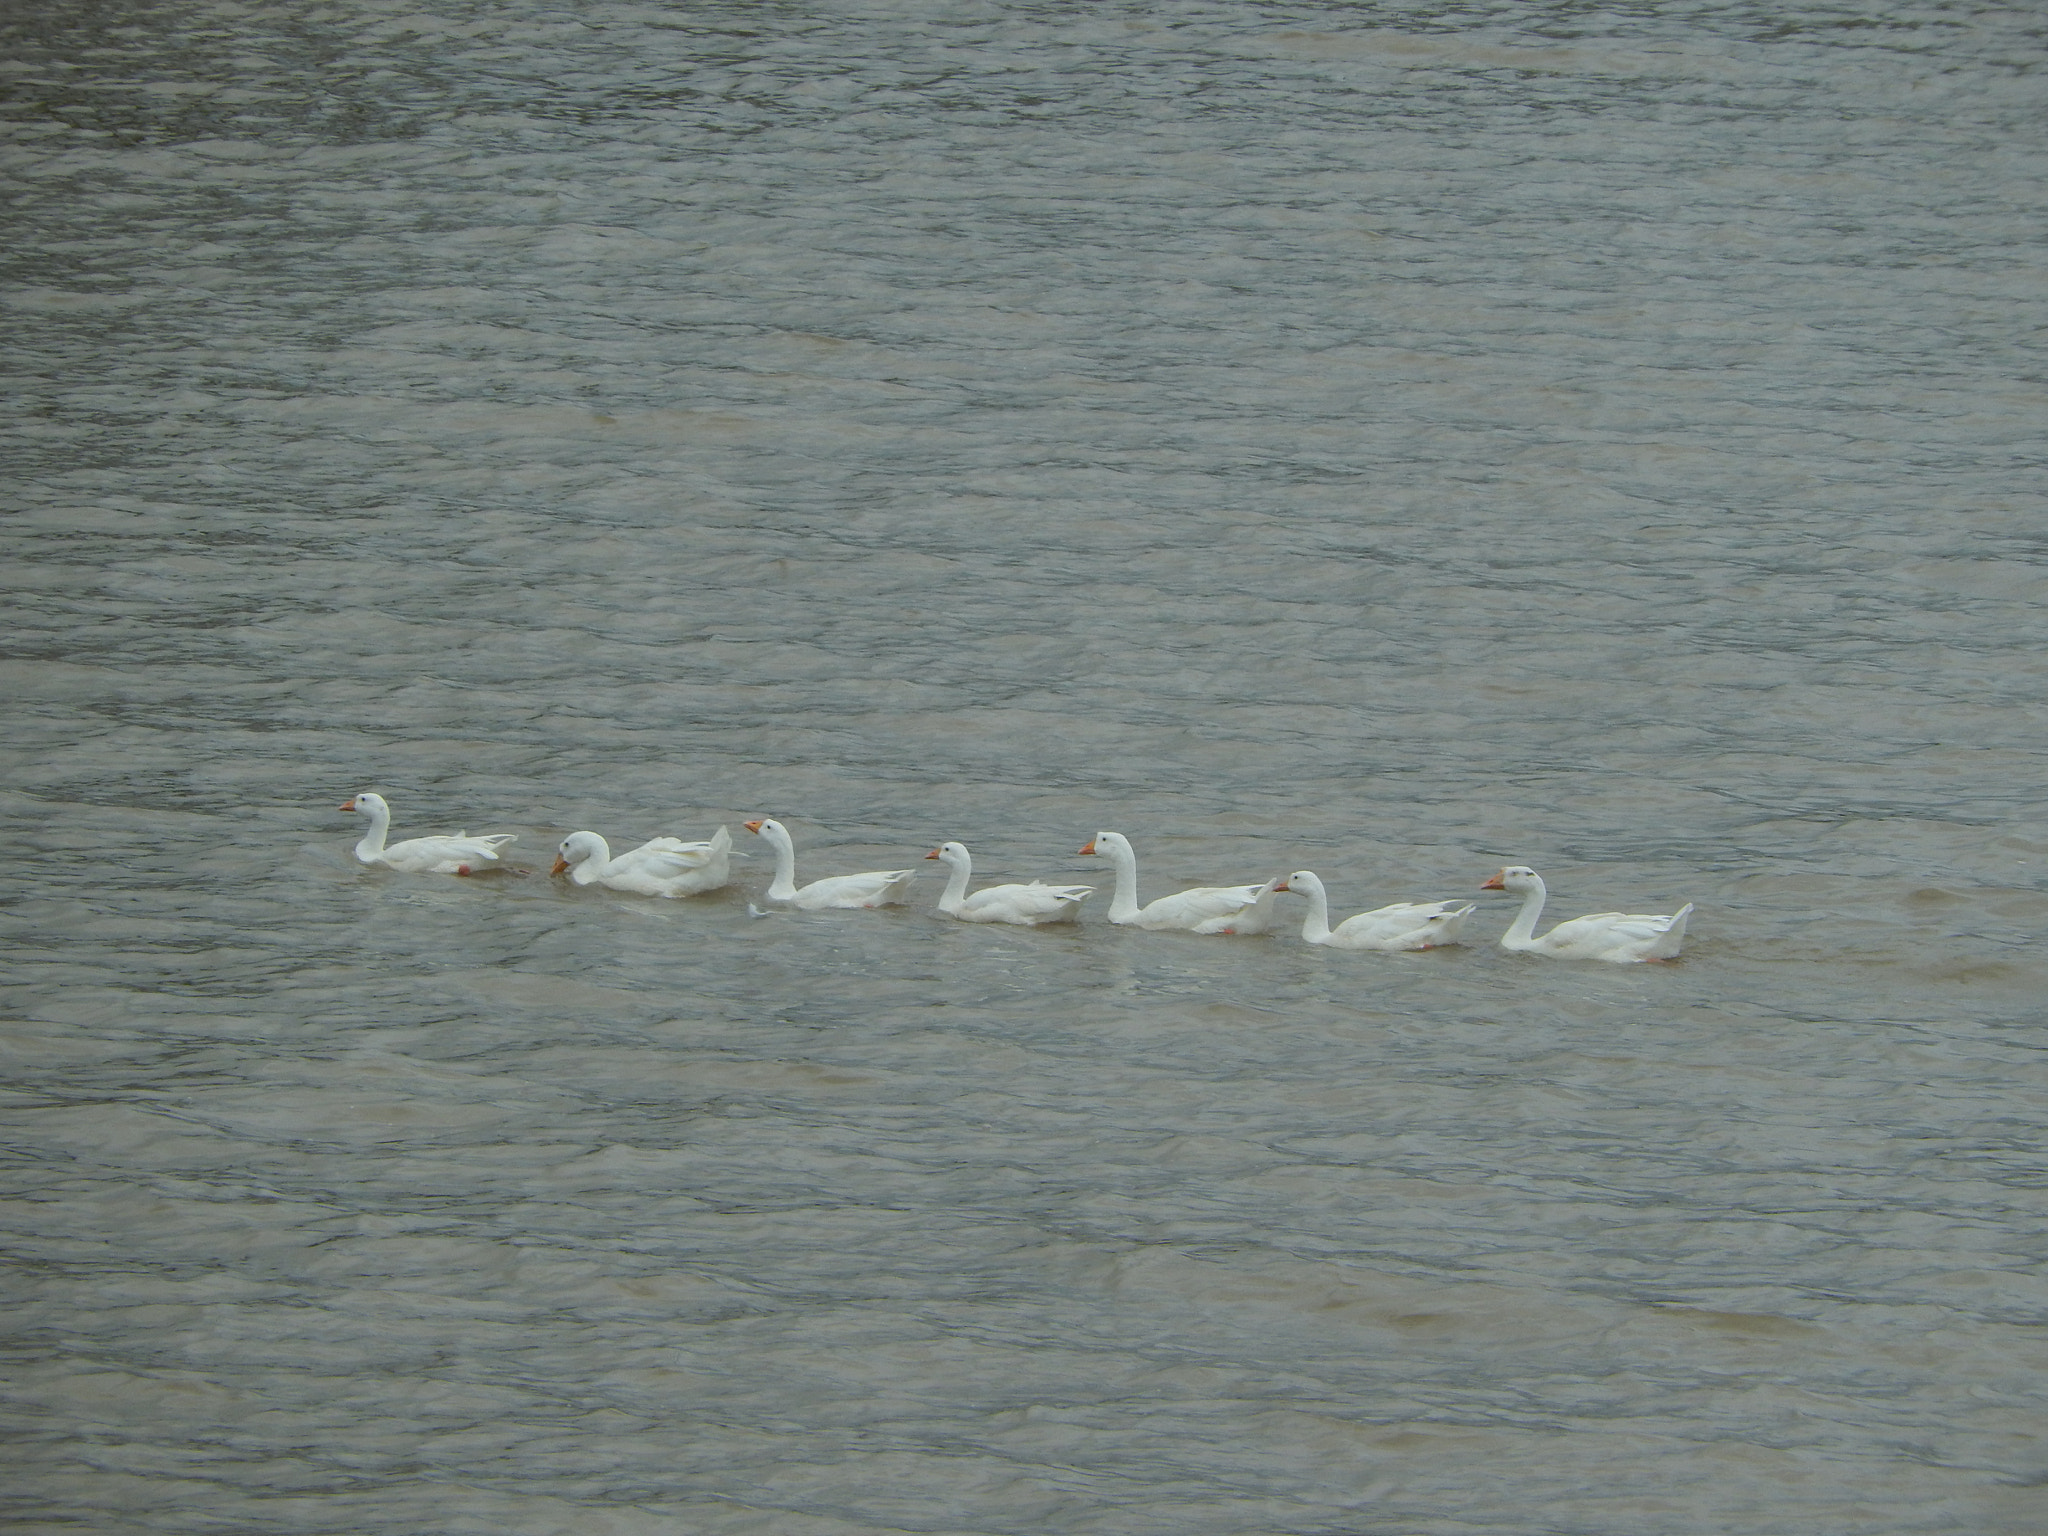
(371, 848)
(783, 886)
(1521, 932)
(594, 867)
(1123, 904)
(956, 884)
(1315, 928)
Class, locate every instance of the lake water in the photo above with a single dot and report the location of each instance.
(1393, 441)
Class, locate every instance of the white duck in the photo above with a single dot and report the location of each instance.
(874, 888)
(1622, 937)
(457, 855)
(1405, 925)
(1204, 909)
(1026, 905)
(665, 866)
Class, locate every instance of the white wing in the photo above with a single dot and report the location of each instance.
(445, 855)
(1027, 905)
(872, 888)
(1195, 909)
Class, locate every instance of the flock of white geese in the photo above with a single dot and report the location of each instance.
(670, 867)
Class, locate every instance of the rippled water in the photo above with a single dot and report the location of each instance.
(1392, 441)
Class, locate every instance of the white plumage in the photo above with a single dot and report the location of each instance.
(459, 854)
(1404, 925)
(1239, 909)
(1026, 905)
(872, 888)
(1621, 937)
(664, 866)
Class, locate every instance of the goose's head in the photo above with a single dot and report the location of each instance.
(1108, 843)
(1301, 882)
(768, 827)
(577, 847)
(369, 804)
(1516, 878)
(949, 853)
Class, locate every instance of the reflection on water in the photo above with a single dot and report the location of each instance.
(1389, 445)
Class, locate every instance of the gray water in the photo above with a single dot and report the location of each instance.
(1388, 440)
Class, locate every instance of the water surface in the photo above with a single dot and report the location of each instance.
(1390, 441)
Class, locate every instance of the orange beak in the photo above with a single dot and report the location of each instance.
(1495, 884)
(755, 826)
(1090, 847)
(349, 804)
(561, 866)
(933, 854)
(1283, 886)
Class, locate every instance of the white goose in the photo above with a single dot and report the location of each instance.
(1622, 937)
(874, 888)
(664, 866)
(457, 855)
(1204, 909)
(1026, 905)
(1405, 925)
